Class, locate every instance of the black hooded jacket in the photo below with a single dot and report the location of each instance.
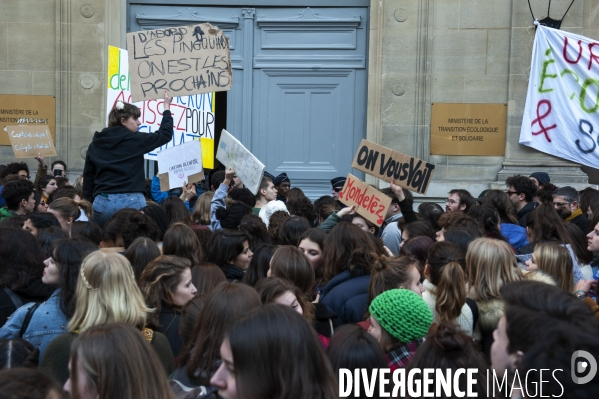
(114, 163)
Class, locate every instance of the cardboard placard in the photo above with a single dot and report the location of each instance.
(468, 129)
(193, 115)
(247, 167)
(180, 165)
(370, 203)
(184, 60)
(29, 140)
(26, 110)
(411, 173)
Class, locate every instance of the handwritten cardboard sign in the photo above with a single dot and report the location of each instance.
(29, 140)
(179, 165)
(193, 115)
(370, 203)
(183, 60)
(411, 173)
(247, 167)
(26, 110)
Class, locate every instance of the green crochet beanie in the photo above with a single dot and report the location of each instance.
(402, 313)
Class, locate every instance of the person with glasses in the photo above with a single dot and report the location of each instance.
(459, 200)
(16, 168)
(337, 183)
(521, 191)
(565, 201)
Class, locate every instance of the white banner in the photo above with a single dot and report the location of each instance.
(561, 115)
(247, 167)
(193, 115)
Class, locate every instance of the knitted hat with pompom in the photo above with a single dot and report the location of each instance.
(402, 313)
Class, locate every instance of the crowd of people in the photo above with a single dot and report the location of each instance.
(110, 289)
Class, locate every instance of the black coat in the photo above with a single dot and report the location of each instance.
(114, 163)
(522, 214)
(347, 296)
(169, 320)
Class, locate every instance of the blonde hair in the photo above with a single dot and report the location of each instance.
(555, 260)
(201, 210)
(490, 264)
(107, 293)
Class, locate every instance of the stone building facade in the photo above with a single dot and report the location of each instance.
(419, 52)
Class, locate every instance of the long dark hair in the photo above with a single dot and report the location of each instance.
(259, 264)
(224, 246)
(68, 254)
(502, 204)
(176, 211)
(261, 343)
(446, 267)
(22, 259)
(292, 230)
(291, 264)
(180, 240)
(225, 304)
(545, 224)
(347, 247)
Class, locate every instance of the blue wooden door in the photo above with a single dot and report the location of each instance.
(298, 100)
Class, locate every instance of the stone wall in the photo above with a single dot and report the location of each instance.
(58, 48)
(425, 51)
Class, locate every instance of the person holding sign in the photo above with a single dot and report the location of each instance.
(113, 176)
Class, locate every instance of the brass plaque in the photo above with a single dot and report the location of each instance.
(26, 110)
(468, 129)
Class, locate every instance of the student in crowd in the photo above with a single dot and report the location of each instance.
(141, 252)
(353, 348)
(256, 362)
(508, 223)
(391, 273)
(201, 210)
(255, 228)
(18, 353)
(113, 175)
(226, 304)
(291, 264)
(401, 201)
(230, 251)
(266, 193)
(431, 211)
(528, 321)
(399, 320)
(46, 238)
(21, 268)
(292, 230)
(159, 216)
(66, 211)
(311, 243)
(445, 287)
(418, 248)
(206, 276)
(46, 186)
(521, 191)
(180, 240)
(41, 206)
(177, 212)
(115, 361)
(37, 221)
(106, 293)
(42, 322)
(167, 287)
(459, 200)
(259, 264)
(284, 292)
(543, 224)
(450, 349)
(190, 313)
(27, 383)
(89, 230)
(19, 198)
(490, 264)
(554, 260)
(347, 261)
(417, 229)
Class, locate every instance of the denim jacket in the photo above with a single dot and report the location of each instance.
(47, 323)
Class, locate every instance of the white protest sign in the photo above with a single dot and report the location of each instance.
(193, 115)
(561, 115)
(247, 167)
(180, 163)
(184, 60)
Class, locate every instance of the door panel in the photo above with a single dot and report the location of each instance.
(298, 99)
